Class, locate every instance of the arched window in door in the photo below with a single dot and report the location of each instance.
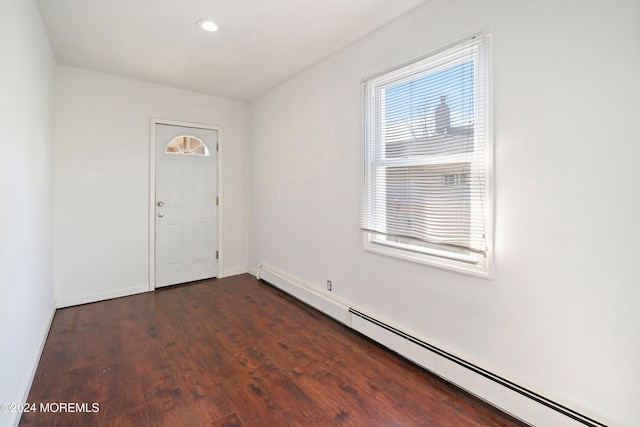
(187, 145)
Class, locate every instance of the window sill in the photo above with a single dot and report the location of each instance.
(462, 262)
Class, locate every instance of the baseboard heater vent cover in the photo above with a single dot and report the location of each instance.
(583, 419)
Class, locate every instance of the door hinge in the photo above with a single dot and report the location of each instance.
(217, 147)
(217, 254)
(217, 200)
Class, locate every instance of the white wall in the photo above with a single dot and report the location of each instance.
(561, 315)
(27, 74)
(101, 231)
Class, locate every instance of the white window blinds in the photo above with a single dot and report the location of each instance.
(428, 152)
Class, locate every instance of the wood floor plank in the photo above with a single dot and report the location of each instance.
(231, 420)
(343, 400)
(251, 403)
(196, 365)
(233, 352)
(165, 401)
(80, 388)
(297, 407)
(121, 392)
(134, 417)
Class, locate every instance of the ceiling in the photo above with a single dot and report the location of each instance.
(260, 44)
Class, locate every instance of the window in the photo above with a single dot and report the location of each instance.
(187, 145)
(427, 193)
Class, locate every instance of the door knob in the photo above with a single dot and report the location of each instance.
(160, 203)
(160, 215)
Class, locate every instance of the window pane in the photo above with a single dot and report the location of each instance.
(181, 142)
(194, 143)
(187, 145)
(172, 148)
(431, 114)
(429, 203)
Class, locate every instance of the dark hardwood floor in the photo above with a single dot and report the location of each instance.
(231, 352)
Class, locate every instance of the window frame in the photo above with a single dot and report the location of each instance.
(456, 259)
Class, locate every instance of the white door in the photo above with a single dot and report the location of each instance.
(186, 214)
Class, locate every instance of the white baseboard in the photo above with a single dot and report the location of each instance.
(233, 272)
(530, 406)
(254, 270)
(85, 299)
(28, 381)
(327, 304)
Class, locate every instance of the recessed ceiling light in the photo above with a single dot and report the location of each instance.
(207, 25)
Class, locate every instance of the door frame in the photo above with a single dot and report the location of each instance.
(152, 191)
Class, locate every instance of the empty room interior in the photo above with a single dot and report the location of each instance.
(439, 187)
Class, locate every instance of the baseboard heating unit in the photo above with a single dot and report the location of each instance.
(525, 404)
(541, 400)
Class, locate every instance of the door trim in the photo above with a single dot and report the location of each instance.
(152, 191)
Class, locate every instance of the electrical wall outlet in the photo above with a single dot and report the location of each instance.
(329, 285)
